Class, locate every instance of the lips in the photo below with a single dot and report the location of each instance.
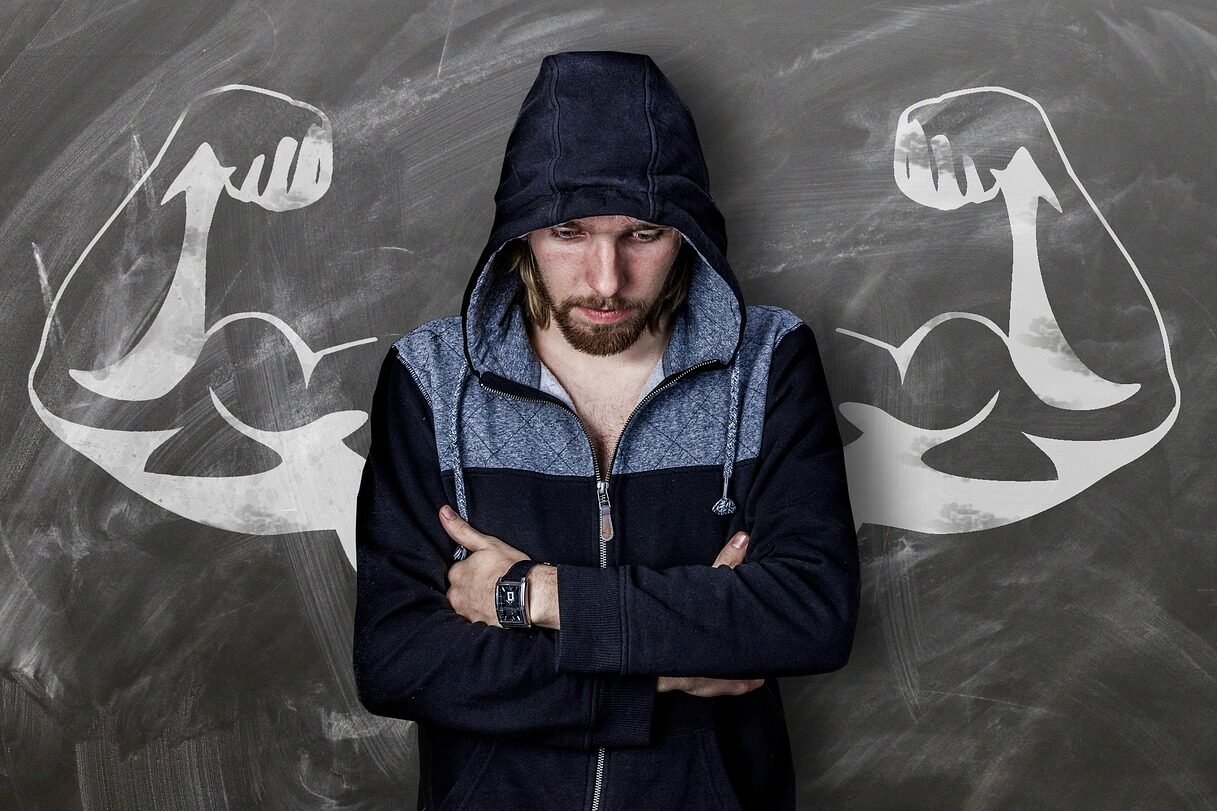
(603, 316)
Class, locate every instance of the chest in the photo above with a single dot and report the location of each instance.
(604, 414)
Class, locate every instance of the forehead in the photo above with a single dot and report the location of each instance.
(608, 222)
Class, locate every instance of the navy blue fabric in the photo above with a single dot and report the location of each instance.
(542, 719)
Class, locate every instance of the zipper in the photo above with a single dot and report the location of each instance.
(606, 517)
(643, 402)
(599, 779)
(603, 504)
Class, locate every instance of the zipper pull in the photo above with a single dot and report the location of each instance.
(606, 511)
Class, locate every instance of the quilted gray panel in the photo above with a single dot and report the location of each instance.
(681, 425)
(686, 424)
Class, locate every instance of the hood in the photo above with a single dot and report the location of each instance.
(603, 132)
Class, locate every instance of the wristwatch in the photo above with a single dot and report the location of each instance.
(511, 595)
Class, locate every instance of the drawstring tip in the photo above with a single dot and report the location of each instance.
(460, 553)
(724, 506)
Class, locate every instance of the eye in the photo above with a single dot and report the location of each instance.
(648, 236)
(564, 233)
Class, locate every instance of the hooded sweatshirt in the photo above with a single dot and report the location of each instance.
(735, 430)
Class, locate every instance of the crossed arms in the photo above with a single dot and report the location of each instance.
(472, 583)
(788, 610)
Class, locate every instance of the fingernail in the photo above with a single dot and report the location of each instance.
(447, 512)
(739, 541)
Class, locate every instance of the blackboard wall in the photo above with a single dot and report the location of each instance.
(1039, 616)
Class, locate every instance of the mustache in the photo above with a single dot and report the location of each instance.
(602, 304)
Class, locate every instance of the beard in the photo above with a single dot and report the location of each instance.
(599, 339)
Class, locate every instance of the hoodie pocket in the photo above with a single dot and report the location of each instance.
(472, 773)
(716, 771)
(679, 772)
(513, 774)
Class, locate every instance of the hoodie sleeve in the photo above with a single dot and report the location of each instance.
(789, 609)
(416, 658)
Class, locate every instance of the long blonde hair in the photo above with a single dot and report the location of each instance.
(517, 257)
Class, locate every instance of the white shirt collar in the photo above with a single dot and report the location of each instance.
(550, 384)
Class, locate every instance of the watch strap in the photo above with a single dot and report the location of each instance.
(519, 569)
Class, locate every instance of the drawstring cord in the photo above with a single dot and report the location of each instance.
(454, 443)
(725, 506)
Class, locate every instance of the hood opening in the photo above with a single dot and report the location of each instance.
(603, 133)
(707, 326)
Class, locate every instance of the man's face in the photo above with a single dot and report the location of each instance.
(602, 278)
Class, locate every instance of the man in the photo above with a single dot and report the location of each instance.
(604, 414)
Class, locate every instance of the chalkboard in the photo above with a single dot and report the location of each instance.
(998, 219)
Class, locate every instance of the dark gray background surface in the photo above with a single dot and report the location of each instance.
(1064, 661)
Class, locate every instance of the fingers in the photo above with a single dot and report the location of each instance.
(665, 684)
(462, 531)
(314, 165)
(249, 189)
(708, 687)
(309, 162)
(285, 153)
(912, 160)
(731, 687)
(737, 687)
(944, 162)
(733, 553)
(973, 188)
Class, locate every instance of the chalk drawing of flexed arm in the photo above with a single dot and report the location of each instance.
(890, 482)
(170, 347)
(313, 486)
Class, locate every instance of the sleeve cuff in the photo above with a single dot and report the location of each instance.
(589, 603)
(624, 710)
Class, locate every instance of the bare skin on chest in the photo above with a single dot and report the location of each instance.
(604, 405)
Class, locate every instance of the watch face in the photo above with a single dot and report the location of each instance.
(508, 604)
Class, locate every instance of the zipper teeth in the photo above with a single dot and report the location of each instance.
(596, 788)
(599, 778)
(644, 400)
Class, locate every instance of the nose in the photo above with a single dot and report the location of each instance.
(606, 268)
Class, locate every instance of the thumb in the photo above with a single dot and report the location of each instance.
(461, 530)
(731, 554)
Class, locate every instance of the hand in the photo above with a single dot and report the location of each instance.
(705, 686)
(235, 128)
(471, 581)
(733, 553)
(959, 123)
